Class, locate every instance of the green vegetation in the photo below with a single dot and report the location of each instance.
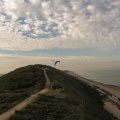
(48, 108)
(67, 99)
(19, 84)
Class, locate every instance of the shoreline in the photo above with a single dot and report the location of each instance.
(112, 89)
(90, 79)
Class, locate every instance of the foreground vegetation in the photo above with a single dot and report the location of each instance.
(19, 84)
(67, 99)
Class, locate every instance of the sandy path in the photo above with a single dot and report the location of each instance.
(25, 102)
(21, 105)
(46, 77)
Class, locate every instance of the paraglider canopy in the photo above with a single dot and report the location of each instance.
(56, 62)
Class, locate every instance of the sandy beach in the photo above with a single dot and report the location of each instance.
(114, 90)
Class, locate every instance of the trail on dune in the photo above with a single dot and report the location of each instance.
(25, 102)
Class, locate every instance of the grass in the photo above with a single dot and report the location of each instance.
(67, 99)
(48, 108)
(19, 84)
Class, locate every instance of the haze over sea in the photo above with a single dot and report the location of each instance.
(104, 76)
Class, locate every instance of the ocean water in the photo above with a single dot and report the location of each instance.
(104, 76)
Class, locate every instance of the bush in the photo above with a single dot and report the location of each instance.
(56, 85)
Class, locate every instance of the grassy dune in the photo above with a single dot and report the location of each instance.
(19, 84)
(67, 99)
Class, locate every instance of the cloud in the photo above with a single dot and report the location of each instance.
(46, 24)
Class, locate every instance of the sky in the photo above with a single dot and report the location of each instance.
(82, 34)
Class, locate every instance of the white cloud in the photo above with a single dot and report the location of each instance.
(45, 24)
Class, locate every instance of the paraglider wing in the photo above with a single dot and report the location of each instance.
(56, 62)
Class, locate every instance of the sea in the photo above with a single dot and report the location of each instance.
(104, 76)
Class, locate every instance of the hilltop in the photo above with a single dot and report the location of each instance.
(20, 84)
(67, 99)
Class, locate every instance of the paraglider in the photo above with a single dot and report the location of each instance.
(56, 62)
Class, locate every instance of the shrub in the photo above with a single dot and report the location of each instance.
(56, 85)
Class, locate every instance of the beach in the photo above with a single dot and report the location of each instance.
(114, 90)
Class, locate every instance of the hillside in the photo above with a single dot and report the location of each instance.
(19, 84)
(67, 99)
